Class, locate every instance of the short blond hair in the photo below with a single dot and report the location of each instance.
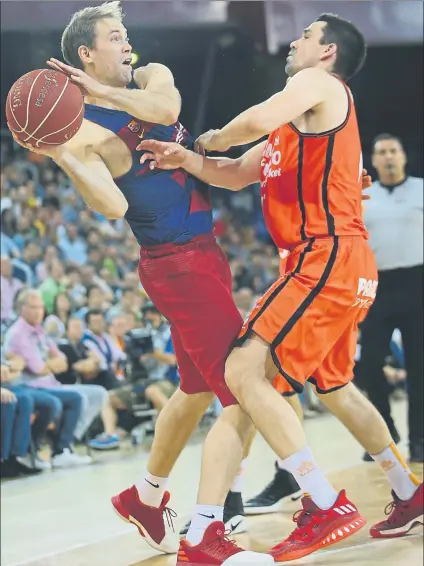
(81, 30)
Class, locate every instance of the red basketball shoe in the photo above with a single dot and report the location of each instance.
(218, 550)
(403, 516)
(318, 528)
(150, 521)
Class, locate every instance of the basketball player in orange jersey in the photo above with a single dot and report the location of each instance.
(305, 326)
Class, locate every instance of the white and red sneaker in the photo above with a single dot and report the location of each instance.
(403, 516)
(150, 521)
(217, 550)
(319, 528)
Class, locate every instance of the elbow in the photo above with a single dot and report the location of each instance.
(170, 116)
(114, 211)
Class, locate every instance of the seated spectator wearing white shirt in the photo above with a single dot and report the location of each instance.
(102, 344)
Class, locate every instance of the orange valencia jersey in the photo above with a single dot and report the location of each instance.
(311, 184)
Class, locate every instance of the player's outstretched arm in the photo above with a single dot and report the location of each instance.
(304, 91)
(158, 100)
(232, 174)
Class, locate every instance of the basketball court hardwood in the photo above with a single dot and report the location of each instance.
(65, 518)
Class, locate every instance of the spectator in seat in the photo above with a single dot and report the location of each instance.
(98, 341)
(16, 411)
(55, 323)
(95, 301)
(73, 247)
(161, 360)
(53, 285)
(26, 338)
(10, 286)
(83, 365)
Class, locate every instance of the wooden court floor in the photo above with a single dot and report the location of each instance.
(65, 518)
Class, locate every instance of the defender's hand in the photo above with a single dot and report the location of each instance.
(163, 155)
(366, 184)
(211, 141)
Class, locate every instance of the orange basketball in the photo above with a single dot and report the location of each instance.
(44, 108)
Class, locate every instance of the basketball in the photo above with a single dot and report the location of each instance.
(44, 108)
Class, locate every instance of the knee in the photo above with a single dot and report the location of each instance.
(76, 400)
(237, 373)
(151, 392)
(25, 403)
(53, 407)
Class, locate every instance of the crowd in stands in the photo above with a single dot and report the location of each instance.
(81, 343)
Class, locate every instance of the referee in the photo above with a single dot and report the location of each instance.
(394, 220)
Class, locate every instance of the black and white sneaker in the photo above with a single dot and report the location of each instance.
(271, 500)
(234, 519)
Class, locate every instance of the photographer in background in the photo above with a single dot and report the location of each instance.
(98, 341)
(151, 364)
(394, 220)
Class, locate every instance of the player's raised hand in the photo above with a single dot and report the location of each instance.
(366, 184)
(87, 84)
(162, 155)
(210, 141)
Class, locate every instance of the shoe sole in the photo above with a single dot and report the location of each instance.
(124, 516)
(338, 534)
(109, 447)
(240, 526)
(401, 531)
(266, 561)
(276, 508)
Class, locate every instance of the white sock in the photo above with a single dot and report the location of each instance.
(403, 481)
(237, 486)
(310, 478)
(151, 490)
(204, 515)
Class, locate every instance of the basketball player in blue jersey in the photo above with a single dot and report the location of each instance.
(182, 268)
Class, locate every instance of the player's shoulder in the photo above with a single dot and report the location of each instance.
(141, 74)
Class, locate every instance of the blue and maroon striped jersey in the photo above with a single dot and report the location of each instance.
(163, 206)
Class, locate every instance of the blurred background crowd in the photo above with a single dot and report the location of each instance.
(72, 307)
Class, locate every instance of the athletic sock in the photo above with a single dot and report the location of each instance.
(204, 515)
(310, 478)
(403, 481)
(237, 486)
(151, 490)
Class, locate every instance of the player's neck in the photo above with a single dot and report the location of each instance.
(393, 179)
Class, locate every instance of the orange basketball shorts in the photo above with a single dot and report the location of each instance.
(310, 316)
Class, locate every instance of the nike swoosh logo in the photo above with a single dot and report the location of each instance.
(233, 527)
(207, 516)
(156, 486)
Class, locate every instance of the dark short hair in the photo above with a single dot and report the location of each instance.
(92, 312)
(382, 137)
(351, 47)
(91, 288)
